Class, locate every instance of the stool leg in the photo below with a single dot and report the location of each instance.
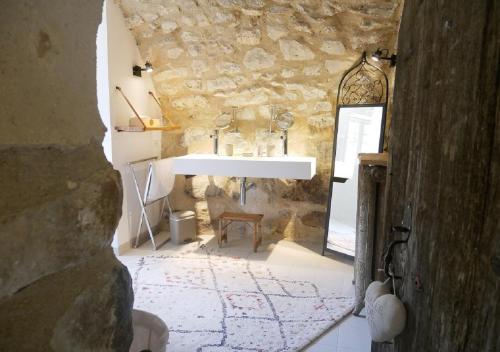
(219, 240)
(260, 233)
(255, 240)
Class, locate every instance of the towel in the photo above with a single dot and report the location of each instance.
(162, 179)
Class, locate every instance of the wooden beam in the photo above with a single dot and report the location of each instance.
(379, 159)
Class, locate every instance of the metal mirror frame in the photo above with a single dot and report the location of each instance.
(356, 94)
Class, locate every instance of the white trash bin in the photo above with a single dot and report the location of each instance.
(150, 332)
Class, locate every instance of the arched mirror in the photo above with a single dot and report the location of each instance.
(359, 128)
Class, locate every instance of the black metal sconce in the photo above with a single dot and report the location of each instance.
(137, 70)
(383, 54)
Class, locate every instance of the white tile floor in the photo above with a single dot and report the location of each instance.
(350, 335)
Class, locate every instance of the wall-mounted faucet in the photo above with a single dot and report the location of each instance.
(284, 137)
(215, 137)
(284, 121)
(222, 122)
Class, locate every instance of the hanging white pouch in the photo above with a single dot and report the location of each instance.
(387, 319)
(375, 290)
(385, 313)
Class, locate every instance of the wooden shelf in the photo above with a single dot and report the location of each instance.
(142, 129)
(164, 128)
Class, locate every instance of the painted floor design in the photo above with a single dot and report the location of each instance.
(216, 303)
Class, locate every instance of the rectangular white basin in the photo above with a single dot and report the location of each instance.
(291, 167)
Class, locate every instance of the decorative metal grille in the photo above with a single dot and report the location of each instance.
(363, 84)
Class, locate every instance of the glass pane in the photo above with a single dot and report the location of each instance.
(358, 132)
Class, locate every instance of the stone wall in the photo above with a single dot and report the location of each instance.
(253, 54)
(61, 287)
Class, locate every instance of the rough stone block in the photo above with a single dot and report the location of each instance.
(292, 50)
(333, 47)
(52, 221)
(276, 31)
(248, 37)
(195, 102)
(84, 308)
(258, 59)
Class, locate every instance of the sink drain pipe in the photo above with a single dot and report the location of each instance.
(243, 190)
(244, 187)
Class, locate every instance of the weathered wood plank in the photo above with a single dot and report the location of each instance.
(382, 346)
(379, 159)
(366, 226)
(444, 161)
(380, 234)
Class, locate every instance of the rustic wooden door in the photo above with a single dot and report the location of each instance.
(445, 160)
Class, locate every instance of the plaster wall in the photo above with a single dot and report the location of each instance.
(122, 54)
(103, 82)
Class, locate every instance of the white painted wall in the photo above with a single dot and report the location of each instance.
(122, 53)
(103, 82)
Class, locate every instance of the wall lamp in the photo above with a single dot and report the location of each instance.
(137, 70)
(383, 54)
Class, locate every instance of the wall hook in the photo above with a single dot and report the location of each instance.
(405, 229)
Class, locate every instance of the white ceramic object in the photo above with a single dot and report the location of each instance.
(150, 332)
(375, 290)
(286, 167)
(386, 318)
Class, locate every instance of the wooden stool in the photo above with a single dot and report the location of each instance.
(255, 219)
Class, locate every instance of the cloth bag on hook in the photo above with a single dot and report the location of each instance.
(385, 313)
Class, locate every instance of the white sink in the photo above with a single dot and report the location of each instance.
(290, 167)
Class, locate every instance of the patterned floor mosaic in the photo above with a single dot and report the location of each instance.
(215, 303)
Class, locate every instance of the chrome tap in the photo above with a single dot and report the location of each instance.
(244, 187)
(284, 137)
(215, 137)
